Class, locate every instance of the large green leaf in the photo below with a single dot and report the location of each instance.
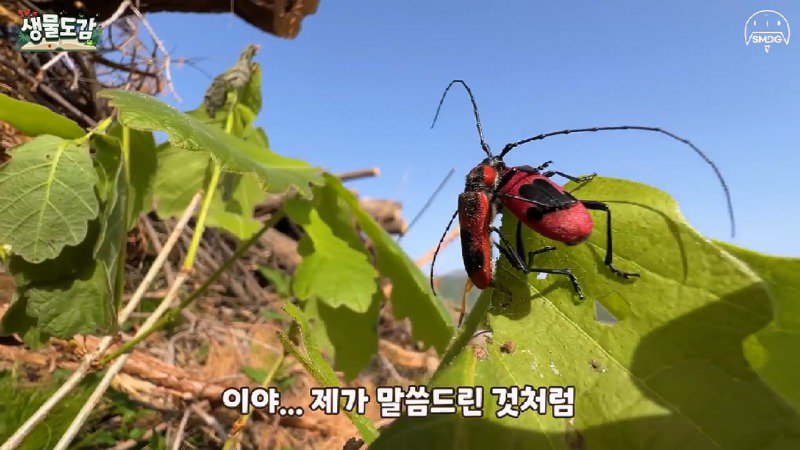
(335, 268)
(671, 373)
(34, 120)
(411, 295)
(84, 305)
(773, 351)
(279, 173)
(46, 197)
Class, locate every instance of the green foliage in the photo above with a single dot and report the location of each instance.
(773, 350)
(47, 197)
(19, 400)
(113, 191)
(339, 279)
(411, 295)
(35, 120)
(335, 267)
(76, 290)
(671, 373)
(182, 173)
(145, 112)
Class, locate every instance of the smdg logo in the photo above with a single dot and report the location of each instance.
(53, 32)
(765, 28)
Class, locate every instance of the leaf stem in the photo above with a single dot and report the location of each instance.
(211, 187)
(99, 128)
(119, 286)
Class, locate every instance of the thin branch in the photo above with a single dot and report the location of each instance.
(160, 45)
(176, 444)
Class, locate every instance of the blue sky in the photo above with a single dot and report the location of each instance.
(360, 84)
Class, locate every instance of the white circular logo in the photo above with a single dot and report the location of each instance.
(766, 28)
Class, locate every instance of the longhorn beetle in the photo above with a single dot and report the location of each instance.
(537, 201)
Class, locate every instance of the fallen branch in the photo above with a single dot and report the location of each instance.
(358, 174)
(428, 256)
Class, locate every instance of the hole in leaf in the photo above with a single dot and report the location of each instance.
(603, 315)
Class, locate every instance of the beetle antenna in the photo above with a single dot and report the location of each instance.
(439, 246)
(427, 204)
(484, 145)
(708, 160)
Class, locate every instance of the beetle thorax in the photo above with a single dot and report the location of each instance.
(485, 176)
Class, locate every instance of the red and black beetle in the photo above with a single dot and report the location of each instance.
(535, 200)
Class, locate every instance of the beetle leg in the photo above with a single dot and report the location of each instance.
(582, 179)
(516, 260)
(566, 272)
(513, 257)
(600, 206)
(537, 252)
(521, 247)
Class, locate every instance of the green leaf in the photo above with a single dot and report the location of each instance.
(280, 281)
(46, 197)
(669, 374)
(66, 272)
(236, 214)
(145, 112)
(34, 120)
(411, 295)
(179, 176)
(335, 268)
(348, 337)
(143, 166)
(773, 350)
(80, 306)
(255, 374)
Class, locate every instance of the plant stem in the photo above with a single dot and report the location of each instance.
(188, 263)
(211, 189)
(119, 286)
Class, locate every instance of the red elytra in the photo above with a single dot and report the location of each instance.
(570, 225)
